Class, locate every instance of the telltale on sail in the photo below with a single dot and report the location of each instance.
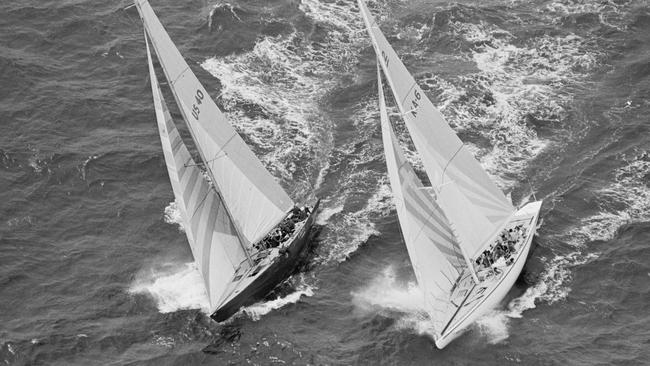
(245, 232)
(466, 241)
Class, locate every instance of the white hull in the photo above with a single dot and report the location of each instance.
(490, 293)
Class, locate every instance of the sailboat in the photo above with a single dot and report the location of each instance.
(245, 233)
(466, 241)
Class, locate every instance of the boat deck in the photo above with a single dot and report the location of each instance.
(468, 297)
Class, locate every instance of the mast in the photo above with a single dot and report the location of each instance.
(237, 230)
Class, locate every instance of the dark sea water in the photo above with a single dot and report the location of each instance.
(94, 267)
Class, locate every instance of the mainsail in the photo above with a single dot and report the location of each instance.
(213, 239)
(434, 252)
(477, 210)
(255, 201)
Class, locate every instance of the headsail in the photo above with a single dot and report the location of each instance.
(472, 202)
(435, 255)
(254, 199)
(215, 245)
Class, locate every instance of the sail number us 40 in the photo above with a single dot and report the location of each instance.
(198, 98)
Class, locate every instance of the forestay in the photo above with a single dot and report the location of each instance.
(435, 255)
(254, 199)
(473, 204)
(215, 245)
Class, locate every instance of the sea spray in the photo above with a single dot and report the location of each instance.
(404, 301)
(173, 287)
(629, 198)
(257, 310)
(493, 325)
(172, 215)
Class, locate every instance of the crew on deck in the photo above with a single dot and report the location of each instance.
(285, 229)
(501, 253)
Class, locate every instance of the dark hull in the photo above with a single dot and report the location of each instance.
(279, 270)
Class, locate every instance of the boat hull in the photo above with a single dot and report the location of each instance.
(496, 292)
(279, 270)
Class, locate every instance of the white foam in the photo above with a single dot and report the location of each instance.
(402, 299)
(327, 212)
(173, 287)
(256, 311)
(285, 78)
(173, 216)
(627, 190)
(83, 168)
(609, 12)
(519, 82)
(164, 341)
(350, 230)
(385, 292)
(493, 325)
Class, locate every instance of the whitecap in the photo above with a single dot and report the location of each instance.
(173, 287)
(173, 215)
(257, 310)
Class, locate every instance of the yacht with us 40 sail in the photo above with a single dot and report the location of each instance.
(245, 232)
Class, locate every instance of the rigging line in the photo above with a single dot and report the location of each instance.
(128, 16)
(449, 162)
(407, 112)
(203, 200)
(179, 75)
(217, 156)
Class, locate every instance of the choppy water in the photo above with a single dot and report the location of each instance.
(94, 268)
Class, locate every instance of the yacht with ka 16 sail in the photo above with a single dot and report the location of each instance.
(246, 234)
(466, 242)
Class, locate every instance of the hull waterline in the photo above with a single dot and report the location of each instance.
(279, 270)
(494, 293)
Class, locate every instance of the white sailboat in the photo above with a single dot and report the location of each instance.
(449, 226)
(245, 232)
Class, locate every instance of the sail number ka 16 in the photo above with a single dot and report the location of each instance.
(195, 108)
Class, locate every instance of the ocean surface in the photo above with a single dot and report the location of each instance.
(552, 95)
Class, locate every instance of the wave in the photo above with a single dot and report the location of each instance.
(609, 13)
(404, 301)
(628, 198)
(517, 90)
(257, 310)
(172, 216)
(173, 287)
(362, 193)
(176, 287)
(272, 93)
